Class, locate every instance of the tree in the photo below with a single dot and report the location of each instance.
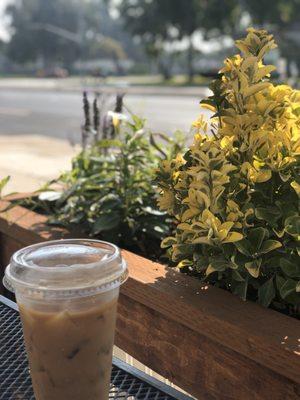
(29, 41)
(157, 22)
(145, 22)
(62, 31)
(283, 18)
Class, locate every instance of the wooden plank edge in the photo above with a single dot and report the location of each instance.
(209, 311)
(193, 361)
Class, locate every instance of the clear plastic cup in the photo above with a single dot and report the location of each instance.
(67, 293)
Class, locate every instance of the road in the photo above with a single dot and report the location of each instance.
(39, 127)
(59, 114)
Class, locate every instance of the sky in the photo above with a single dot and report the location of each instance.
(3, 31)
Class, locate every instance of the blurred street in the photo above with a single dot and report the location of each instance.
(59, 114)
(39, 128)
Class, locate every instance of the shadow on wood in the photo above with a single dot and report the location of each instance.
(202, 338)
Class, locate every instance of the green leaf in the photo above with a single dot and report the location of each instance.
(292, 226)
(219, 265)
(237, 276)
(244, 247)
(279, 233)
(266, 293)
(293, 298)
(269, 245)
(108, 143)
(291, 269)
(106, 222)
(288, 287)
(256, 237)
(280, 280)
(109, 204)
(241, 289)
(138, 122)
(271, 214)
(3, 183)
(253, 267)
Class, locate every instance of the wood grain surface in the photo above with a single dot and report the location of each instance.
(202, 338)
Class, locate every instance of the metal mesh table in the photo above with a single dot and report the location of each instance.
(15, 383)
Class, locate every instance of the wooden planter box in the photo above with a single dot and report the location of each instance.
(203, 339)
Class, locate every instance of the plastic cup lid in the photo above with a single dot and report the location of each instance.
(66, 268)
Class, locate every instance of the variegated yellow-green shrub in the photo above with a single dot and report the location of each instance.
(235, 192)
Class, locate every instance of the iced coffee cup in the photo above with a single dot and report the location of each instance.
(67, 293)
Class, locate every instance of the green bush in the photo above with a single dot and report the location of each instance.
(235, 193)
(109, 191)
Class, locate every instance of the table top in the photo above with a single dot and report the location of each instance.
(127, 382)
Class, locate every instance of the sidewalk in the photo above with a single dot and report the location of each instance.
(77, 84)
(32, 160)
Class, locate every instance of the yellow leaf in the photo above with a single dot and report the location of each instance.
(296, 187)
(217, 191)
(184, 227)
(263, 176)
(258, 87)
(222, 234)
(191, 212)
(269, 46)
(248, 62)
(210, 269)
(202, 196)
(227, 226)
(228, 168)
(241, 45)
(264, 71)
(270, 107)
(208, 107)
(232, 204)
(198, 226)
(258, 164)
(202, 239)
(252, 35)
(183, 263)
(232, 216)
(207, 215)
(226, 142)
(233, 237)
(238, 225)
(167, 242)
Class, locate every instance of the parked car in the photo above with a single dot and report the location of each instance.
(52, 72)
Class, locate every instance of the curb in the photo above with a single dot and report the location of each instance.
(197, 91)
